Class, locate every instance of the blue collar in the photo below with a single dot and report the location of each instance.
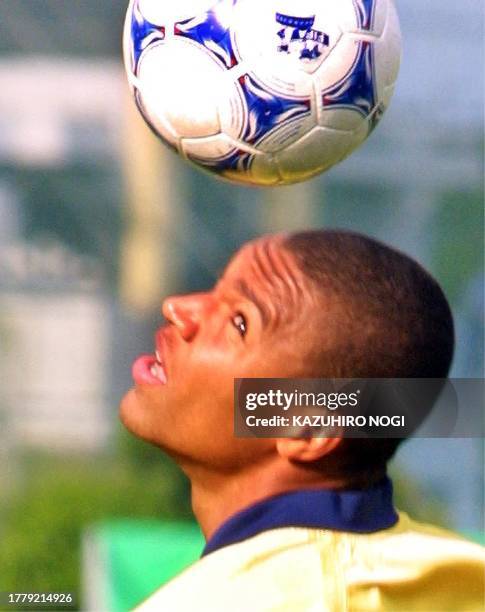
(357, 511)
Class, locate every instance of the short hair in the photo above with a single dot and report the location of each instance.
(388, 317)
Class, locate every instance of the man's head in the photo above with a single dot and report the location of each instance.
(324, 304)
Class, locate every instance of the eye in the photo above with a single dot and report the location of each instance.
(239, 322)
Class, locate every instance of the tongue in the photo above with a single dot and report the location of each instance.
(147, 371)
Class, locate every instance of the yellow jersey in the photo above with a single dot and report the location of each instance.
(402, 567)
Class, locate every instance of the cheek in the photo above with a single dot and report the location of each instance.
(205, 370)
(280, 357)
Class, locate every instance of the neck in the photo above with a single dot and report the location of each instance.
(217, 497)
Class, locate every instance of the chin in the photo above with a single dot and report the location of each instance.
(136, 419)
(130, 414)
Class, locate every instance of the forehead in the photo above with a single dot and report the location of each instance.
(265, 271)
(265, 259)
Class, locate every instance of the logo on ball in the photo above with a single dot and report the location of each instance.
(297, 36)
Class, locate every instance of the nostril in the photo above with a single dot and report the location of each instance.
(188, 329)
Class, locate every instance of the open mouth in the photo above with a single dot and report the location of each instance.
(149, 370)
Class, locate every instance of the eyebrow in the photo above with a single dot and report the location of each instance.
(244, 289)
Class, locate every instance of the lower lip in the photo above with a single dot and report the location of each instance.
(141, 371)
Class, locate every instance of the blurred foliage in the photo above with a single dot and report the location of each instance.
(42, 523)
(410, 498)
(354, 206)
(86, 28)
(456, 232)
(77, 205)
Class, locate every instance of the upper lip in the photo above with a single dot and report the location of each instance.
(160, 349)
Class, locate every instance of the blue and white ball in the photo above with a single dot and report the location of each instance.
(262, 92)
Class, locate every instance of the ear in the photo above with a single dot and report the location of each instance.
(306, 449)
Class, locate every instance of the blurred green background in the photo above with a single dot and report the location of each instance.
(98, 222)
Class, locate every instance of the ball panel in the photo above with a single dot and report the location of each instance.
(360, 134)
(264, 171)
(207, 150)
(239, 165)
(314, 153)
(190, 106)
(378, 20)
(267, 110)
(142, 33)
(285, 134)
(253, 179)
(156, 122)
(280, 81)
(387, 94)
(387, 55)
(357, 90)
(343, 119)
(343, 13)
(212, 30)
(233, 112)
(338, 65)
(128, 44)
(366, 13)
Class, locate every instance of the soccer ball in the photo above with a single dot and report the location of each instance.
(262, 92)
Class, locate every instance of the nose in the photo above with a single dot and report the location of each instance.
(185, 312)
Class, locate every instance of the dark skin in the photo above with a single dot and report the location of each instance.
(253, 323)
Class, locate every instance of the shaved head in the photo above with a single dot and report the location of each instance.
(378, 314)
